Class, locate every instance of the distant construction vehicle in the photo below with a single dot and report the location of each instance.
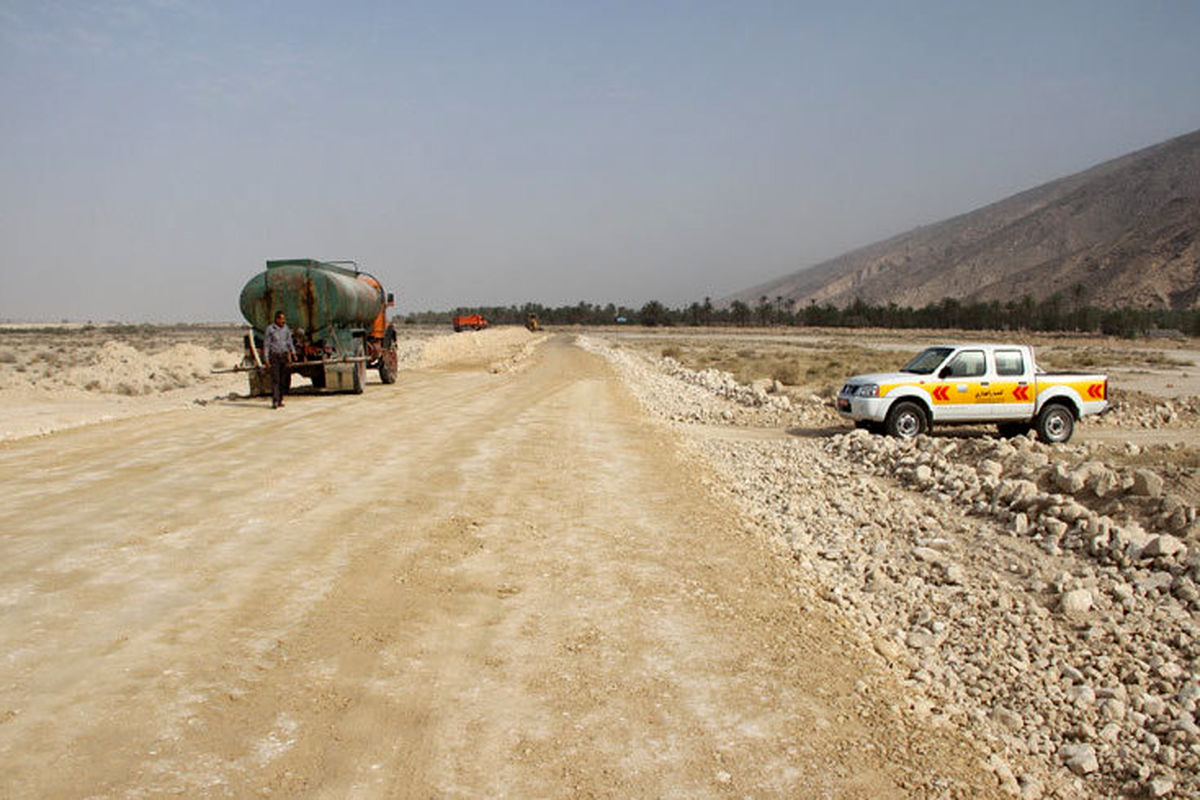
(474, 322)
(338, 316)
(531, 322)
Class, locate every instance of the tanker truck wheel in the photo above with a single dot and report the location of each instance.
(260, 382)
(387, 368)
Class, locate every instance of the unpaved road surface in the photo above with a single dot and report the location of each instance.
(464, 585)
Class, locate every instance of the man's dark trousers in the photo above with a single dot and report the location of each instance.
(280, 378)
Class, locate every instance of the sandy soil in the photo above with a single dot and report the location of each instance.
(495, 578)
(499, 577)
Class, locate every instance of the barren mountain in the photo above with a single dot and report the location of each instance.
(1123, 233)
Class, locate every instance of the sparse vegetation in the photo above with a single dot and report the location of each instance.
(1054, 313)
(1059, 358)
(812, 366)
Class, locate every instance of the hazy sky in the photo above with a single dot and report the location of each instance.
(154, 153)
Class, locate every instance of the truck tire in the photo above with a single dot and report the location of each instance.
(260, 382)
(387, 370)
(906, 420)
(1055, 424)
(359, 371)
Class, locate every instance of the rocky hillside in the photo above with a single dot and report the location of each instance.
(1124, 233)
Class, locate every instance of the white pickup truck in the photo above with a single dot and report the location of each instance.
(972, 384)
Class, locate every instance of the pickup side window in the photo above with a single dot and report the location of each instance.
(967, 364)
(1009, 362)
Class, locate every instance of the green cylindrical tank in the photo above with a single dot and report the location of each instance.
(314, 295)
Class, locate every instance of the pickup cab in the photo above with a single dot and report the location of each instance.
(963, 384)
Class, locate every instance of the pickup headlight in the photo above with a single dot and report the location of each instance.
(868, 390)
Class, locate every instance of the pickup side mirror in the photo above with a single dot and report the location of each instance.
(944, 373)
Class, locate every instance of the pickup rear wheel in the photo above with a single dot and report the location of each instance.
(1055, 424)
(906, 420)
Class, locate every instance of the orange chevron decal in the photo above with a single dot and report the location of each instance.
(1021, 393)
(1096, 391)
(941, 393)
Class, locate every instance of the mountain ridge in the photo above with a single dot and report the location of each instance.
(1123, 233)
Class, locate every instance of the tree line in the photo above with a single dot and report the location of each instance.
(1054, 313)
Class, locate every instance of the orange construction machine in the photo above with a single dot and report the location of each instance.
(475, 322)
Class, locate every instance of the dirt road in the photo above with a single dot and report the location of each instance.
(464, 585)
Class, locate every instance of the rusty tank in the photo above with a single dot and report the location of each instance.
(338, 316)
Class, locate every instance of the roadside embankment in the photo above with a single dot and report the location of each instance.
(1042, 599)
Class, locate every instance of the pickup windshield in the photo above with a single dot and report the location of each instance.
(927, 360)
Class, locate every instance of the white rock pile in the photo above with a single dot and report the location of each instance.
(1150, 413)
(683, 395)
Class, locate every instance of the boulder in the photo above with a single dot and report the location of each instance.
(1055, 527)
(1079, 758)
(1147, 483)
(1069, 481)
(1159, 787)
(1104, 482)
(1130, 538)
(1008, 718)
(1076, 603)
(1164, 545)
(990, 468)
(920, 639)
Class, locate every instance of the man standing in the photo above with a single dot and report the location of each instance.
(280, 350)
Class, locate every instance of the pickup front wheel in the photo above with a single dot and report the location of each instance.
(906, 420)
(1055, 424)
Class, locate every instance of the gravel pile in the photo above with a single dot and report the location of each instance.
(683, 395)
(409, 352)
(117, 368)
(1144, 411)
(1059, 496)
(1041, 600)
(485, 346)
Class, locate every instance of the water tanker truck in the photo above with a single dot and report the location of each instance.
(338, 317)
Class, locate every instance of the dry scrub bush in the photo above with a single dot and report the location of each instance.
(1094, 358)
(786, 372)
(8, 358)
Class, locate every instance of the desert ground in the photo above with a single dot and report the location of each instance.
(587, 563)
